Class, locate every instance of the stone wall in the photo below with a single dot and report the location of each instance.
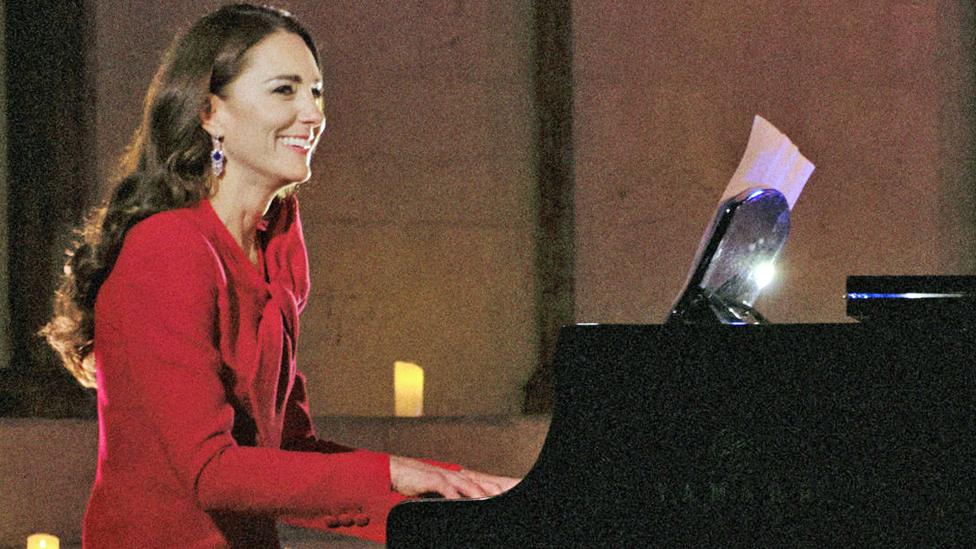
(878, 96)
(420, 216)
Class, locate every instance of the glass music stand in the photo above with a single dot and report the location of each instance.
(735, 260)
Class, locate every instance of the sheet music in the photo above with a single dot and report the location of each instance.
(771, 161)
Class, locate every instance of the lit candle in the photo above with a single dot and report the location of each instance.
(408, 388)
(43, 541)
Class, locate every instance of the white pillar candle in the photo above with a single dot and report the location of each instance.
(408, 389)
(43, 541)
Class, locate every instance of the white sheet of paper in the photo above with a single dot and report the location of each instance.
(771, 161)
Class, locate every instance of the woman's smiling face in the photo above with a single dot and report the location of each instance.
(270, 116)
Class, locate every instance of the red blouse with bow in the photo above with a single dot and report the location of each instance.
(205, 436)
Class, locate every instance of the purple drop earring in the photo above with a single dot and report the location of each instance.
(217, 156)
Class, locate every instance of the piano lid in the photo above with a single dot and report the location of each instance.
(735, 260)
(930, 298)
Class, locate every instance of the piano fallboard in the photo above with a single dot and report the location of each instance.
(798, 435)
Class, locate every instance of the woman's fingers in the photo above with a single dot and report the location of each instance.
(500, 484)
(411, 477)
(464, 486)
(487, 483)
(448, 491)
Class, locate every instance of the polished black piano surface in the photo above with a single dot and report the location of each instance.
(768, 435)
(719, 429)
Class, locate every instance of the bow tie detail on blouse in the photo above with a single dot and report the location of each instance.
(266, 389)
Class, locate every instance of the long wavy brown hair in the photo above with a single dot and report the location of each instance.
(166, 166)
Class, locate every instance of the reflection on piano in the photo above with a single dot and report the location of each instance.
(702, 433)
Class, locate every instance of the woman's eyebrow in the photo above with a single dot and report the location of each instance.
(292, 78)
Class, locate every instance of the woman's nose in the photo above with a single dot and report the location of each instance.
(311, 112)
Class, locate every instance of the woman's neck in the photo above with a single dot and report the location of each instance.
(240, 208)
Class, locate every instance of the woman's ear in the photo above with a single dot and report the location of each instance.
(210, 115)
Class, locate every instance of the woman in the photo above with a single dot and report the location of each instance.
(181, 306)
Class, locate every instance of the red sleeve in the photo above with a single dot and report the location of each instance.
(157, 340)
(299, 434)
(299, 430)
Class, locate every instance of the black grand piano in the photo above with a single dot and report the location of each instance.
(718, 429)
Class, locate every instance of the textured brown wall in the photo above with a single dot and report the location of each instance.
(419, 214)
(878, 95)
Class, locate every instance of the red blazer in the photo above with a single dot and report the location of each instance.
(205, 437)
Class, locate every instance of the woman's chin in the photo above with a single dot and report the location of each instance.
(291, 179)
(304, 178)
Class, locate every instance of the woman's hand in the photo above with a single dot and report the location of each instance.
(411, 477)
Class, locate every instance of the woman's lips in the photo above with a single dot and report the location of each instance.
(300, 145)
